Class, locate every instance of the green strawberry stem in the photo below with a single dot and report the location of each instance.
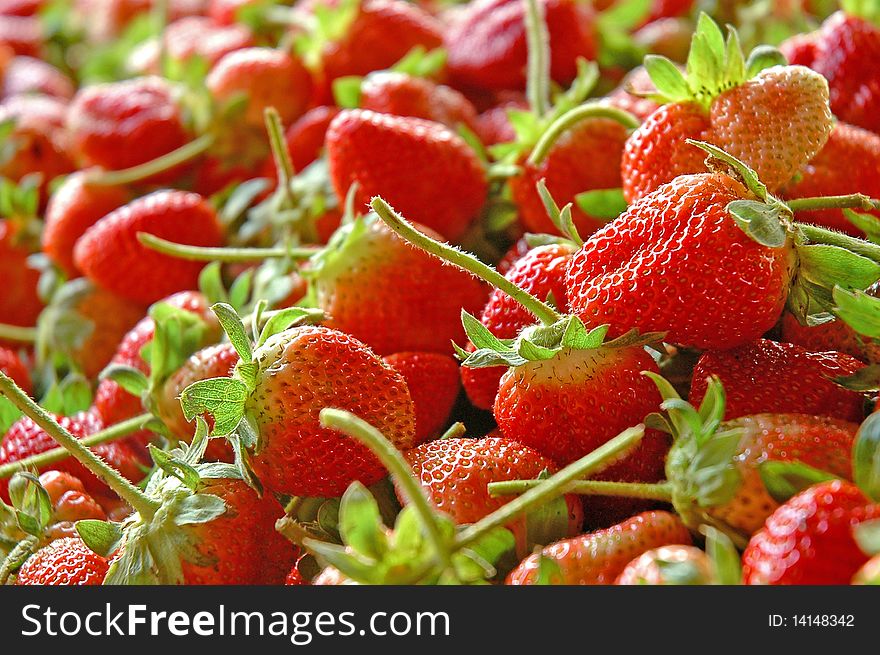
(400, 470)
(283, 163)
(17, 333)
(554, 486)
(660, 491)
(828, 237)
(544, 312)
(114, 432)
(571, 118)
(141, 503)
(208, 254)
(851, 201)
(538, 64)
(142, 171)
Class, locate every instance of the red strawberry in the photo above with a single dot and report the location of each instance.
(493, 125)
(775, 122)
(190, 37)
(585, 158)
(23, 34)
(265, 77)
(214, 361)
(433, 382)
(37, 141)
(828, 174)
(669, 565)
(75, 206)
(809, 539)
(295, 578)
(25, 438)
(456, 473)
(424, 152)
(67, 562)
(541, 272)
(843, 51)
(26, 75)
(672, 251)
(404, 95)
(770, 377)
(11, 365)
(19, 302)
(122, 124)
(833, 335)
(110, 254)
(600, 557)
(625, 95)
(305, 138)
(380, 289)
(486, 42)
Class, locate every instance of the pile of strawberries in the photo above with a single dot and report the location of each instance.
(391, 292)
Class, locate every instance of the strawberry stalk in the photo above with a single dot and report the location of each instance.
(209, 254)
(114, 432)
(828, 237)
(571, 118)
(149, 169)
(661, 491)
(18, 333)
(283, 163)
(554, 486)
(538, 63)
(851, 201)
(403, 228)
(144, 505)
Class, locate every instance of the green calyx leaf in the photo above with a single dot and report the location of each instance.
(867, 223)
(176, 468)
(328, 24)
(822, 285)
(786, 479)
(549, 571)
(864, 380)
(604, 204)
(830, 266)
(33, 508)
(234, 329)
(867, 9)
(866, 457)
(102, 537)
(421, 62)
(859, 310)
(561, 219)
(738, 169)
(222, 398)
(347, 91)
(177, 335)
(723, 555)
(760, 221)
(867, 535)
(127, 377)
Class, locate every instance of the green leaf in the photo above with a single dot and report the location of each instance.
(9, 414)
(577, 337)
(858, 310)
(241, 289)
(479, 334)
(360, 524)
(102, 537)
(761, 222)
(127, 377)
(175, 468)
(867, 223)
(347, 91)
(234, 329)
(211, 283)
(866, 457)
(604, 204)
(562, 220)
(762, 57)
(222, 398)
(198, 508)
(420, 62)
(670, 82)
(713, 473)
(865, 379)
(287, 318)
(828, 266)
(31, 502)
(748, 175)
(786, 479)
(724, 556)
(549, 571)
(868, 536)
(134, 567)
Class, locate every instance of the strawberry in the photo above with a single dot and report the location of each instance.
(84, 324)
(283, 385)
(365, 261)
(295, 578)
(775, 120)
(842, 51)
(456, 472)
(264, 77)
(433, 382)
(25, 438)
(110, 254)
(214, 361)
(23, 34)
(73, 208)
(600, 557)
(400, 94)
(12, 365)
(809, 539)
(119, 125)
(669, 565)
(486, 42)
(305, 138)
(627, 96)
(681, 239)
(541, 272)
(493, 124)
(27, 75)
(833, 335)
(780, 378)
(424, 152)
(19, 302)
(36, 138)
(827, 175)
(67, 562)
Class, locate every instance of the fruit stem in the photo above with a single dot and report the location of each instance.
(154, 167)
(571, 118)
(401, 472)
(112, 433)
(661, 491)
(828, 237)
(554, 486)
(208, 254)
(544, 312)
(538, 64)
(18, 333)
(141, 503)
(851, 201)
(283, 163)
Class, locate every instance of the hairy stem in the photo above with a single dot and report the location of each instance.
(17, 333)
(570, 119)
(160, 164)
(828, 237)
(660, 491)
(538, 66)
(209, 254)
(851, 201)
